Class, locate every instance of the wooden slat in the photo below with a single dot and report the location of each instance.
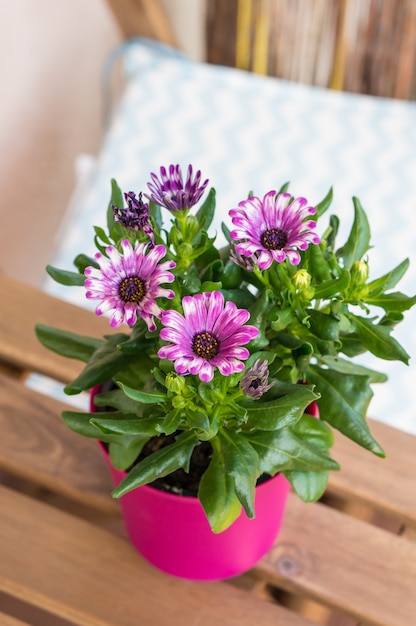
(21, 308)
(345, 564)
(41, 448)
(8, 620)
(388, 484)
(144, 18)
(94, 578)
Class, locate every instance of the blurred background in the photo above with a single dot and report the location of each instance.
(51, 72)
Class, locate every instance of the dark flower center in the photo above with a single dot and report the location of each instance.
(205, 345)
(273, 239)
(132, 289)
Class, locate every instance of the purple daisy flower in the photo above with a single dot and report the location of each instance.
(208, 335)
(272, 228)
(128, 283)
(169, 191)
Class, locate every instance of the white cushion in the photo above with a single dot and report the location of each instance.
(247, 132)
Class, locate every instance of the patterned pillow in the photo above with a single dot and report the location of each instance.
(248, 132)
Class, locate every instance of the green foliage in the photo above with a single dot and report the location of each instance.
(313, 319)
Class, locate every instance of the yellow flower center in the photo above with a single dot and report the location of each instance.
(132, 289)
(205, 345)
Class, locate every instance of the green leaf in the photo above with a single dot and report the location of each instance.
(103, 365)
(324, 205)
(318, 266)
(376, 338)
(116, 230)
(82, 261)
(124, 424)
(323, 325)
(161, 463)
(66, 343)
(155, 214)
(80, 423)
(143, 396)
(123, 456)
(348, 367)
(333, 287)
(118, 400)
(281, 412)
(359, 239)
(309, 486)
(63, 277)
(242, 464)
(206, 212)
(102, 235)
(395, 301)
(283, 450)
(241, 297)
(217, 494)
(389, 280)
(343, 404)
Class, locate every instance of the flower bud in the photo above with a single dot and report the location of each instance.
(255, 379)
(302, 279)
(359, 273)
(175, 383)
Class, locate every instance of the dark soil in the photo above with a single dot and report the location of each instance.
(179, 481)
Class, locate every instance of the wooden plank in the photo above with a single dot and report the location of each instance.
(22, 307)
(388, 484)
(8, 620)
(39, 447)
(93, 578)
(345, 564)
(143, 18)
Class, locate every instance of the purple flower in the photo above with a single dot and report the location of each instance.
(170, 191)
(208, 335)
(135, 216)
(255, 380)
(129, 283)
(272, 228)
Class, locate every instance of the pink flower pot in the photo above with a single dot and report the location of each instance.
(172, 532)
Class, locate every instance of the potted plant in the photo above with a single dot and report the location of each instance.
(207, 393)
